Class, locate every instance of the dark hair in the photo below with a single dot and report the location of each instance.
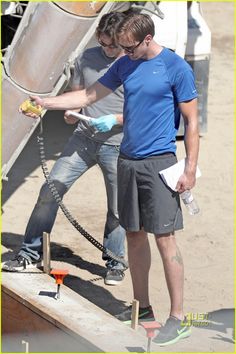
(136, 26)
(109, 23)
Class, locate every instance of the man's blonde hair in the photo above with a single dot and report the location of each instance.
(136, 27)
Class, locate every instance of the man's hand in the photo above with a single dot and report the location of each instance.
(69, 119)
(104, 123)
(33, 107)
(186, 182)
(37, 100)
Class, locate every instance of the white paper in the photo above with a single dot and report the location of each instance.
(172, 174)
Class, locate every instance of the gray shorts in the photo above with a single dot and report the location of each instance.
(144, 200)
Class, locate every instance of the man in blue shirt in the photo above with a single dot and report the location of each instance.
(158, 86)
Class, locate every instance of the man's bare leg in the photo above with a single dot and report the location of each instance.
(174, 271)
(139, 257)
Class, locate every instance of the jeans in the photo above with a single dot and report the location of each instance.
(79, 154)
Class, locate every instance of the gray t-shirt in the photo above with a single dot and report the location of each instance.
(89, 67)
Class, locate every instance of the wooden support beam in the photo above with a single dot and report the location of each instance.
(134, 315)
(46, 253)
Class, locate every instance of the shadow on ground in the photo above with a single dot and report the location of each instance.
(221, 321)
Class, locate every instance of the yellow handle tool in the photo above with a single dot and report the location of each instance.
(29, 106)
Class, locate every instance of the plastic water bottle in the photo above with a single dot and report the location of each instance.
(190, 202)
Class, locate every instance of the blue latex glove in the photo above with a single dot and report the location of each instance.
(103, 123)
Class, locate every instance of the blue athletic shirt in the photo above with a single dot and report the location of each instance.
(152, 90)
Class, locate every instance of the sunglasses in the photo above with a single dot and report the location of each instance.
(111, 46)
(132, 48)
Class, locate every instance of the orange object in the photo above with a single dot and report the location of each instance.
(150, 327)
(59, 275)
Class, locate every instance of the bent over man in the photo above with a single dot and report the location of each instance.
(85, 149)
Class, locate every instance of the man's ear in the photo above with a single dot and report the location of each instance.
(148, 39)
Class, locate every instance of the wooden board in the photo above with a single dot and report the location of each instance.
(32, 299)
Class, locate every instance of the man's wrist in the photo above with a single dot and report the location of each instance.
(119, 119)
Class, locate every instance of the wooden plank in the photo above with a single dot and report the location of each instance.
(134, 316)
(24, 330)
(72, 314)
(46, 253)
